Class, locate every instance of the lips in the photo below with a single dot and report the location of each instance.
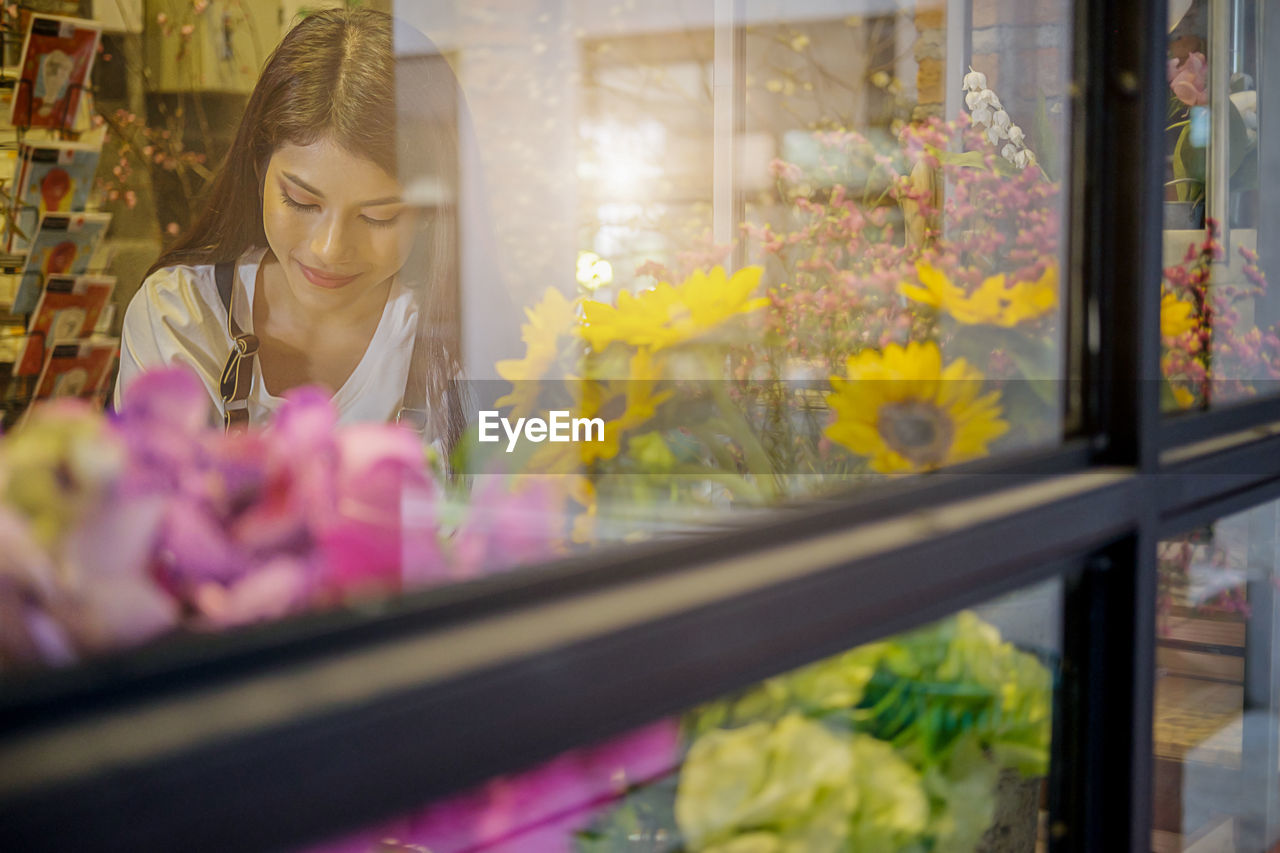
(322, 278)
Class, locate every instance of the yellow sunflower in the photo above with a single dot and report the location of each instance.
(1031, 300)
(906, 412)
(993, 303)
(669, 314)
(1176, 316)
(551, 318)
(623, 404)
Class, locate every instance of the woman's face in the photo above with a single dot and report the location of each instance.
(337, 223)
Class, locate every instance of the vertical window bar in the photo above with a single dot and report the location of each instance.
(1260, 747)
(729, 110)
(1267, 33)
(959, 50)
(1116, 246)
(1219, 177)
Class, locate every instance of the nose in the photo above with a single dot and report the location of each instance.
(328, 239)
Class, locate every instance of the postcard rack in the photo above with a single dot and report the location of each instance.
(28, 264)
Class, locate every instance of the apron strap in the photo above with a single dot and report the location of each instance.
(237, 374)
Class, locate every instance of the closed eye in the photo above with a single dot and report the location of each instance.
(381, 223)
(290, 201)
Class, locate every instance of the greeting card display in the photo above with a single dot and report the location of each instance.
(50, 177)
(68, 310)
(62, 245)
(57, 57)
(76, 369)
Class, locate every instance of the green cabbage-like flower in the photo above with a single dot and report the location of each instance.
(796, 786)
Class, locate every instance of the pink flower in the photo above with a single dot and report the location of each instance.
(1188, 80)
(510, 522)
(537, 810)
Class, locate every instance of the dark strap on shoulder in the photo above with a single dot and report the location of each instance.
(224, 276)
(237, 374)
(413, 406)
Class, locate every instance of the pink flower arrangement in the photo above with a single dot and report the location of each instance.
(112, 532)
(1219, 357)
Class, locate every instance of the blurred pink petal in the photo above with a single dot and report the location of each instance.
(109, 556)
(172, 398)
(270, 592)
(509, 523)
(195, 548)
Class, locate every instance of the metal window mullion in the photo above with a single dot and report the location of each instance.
(1260, 743)
(1116, 235)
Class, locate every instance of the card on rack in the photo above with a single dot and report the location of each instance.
(57, 57)
(76, 369)
(62, 245)
(49, 177)
(68, 310)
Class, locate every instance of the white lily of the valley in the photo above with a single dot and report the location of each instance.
(975, 80)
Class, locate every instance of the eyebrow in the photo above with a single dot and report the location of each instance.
(373, 202)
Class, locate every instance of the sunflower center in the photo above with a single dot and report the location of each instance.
(918, 431)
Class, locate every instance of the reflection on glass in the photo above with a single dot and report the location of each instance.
(689, 258)
(936, 739)
(797, 266)
(1216, 319)
(1216, 760)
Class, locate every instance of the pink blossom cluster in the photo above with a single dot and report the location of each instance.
(1221, 358)
(1175, 560)
(842, 253)
(141, 144)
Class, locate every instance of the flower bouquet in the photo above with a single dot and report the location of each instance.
(115, 531)
(1189, 114)
(894, 746)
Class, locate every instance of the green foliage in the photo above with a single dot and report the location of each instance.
(895, 745)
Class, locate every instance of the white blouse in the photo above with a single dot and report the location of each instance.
(176, 317)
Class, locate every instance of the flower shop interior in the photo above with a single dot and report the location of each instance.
(935, 498)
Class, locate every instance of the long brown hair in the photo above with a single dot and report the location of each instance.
(334, 76)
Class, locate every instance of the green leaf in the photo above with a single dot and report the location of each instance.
(969, 159)
(1188, 167)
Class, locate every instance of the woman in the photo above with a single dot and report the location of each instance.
(341, 276)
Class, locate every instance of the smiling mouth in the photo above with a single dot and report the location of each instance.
(320, 278)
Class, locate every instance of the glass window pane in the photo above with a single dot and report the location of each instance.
(797, 248)
(717, 256)
(1216, 317)
(935, 739)
(1216, 759)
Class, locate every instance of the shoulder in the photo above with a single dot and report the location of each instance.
(178, 309)
(178, 285)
